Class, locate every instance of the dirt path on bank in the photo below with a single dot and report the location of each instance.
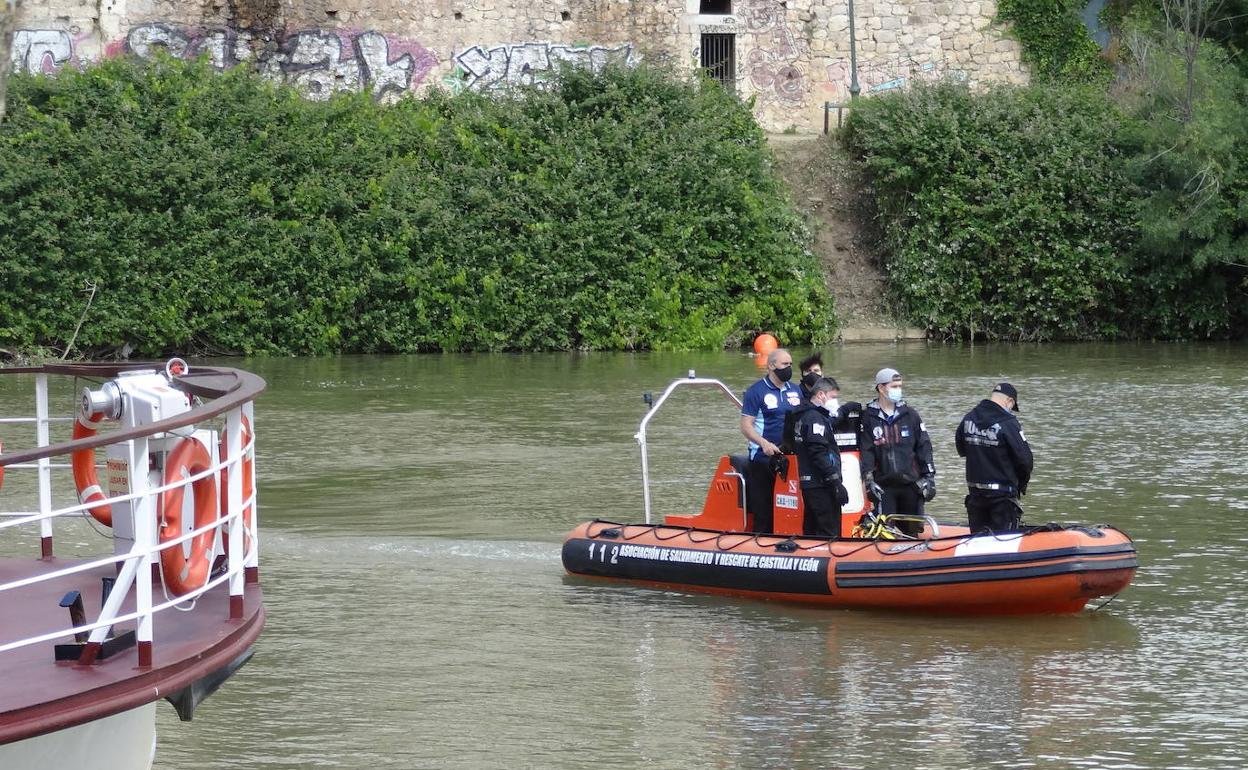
(824, 190)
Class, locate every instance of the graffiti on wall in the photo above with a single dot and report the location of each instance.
(318, 62)
(772, 67)
(41, 50)
(774, 78)
(886, 75)
(482, 69)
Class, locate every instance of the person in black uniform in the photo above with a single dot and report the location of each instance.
(897, 465)
(998, 461)
(819, 460)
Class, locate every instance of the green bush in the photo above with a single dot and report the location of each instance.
(212, 211)
(1005, 213)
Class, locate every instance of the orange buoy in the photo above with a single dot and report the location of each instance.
(85, 479)
(183, 574)
(765, 343)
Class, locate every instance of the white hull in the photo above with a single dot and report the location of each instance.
(125, 741)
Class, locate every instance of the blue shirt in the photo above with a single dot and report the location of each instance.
(768, 404)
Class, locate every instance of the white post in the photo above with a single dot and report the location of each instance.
(112, 607)
(146, 539)
(45, 465)
(645, 471)
(253, 559)
(234, 507)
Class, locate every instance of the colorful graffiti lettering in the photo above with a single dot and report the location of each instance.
(528, 63)
(319, 62)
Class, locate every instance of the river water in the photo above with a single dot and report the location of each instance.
(412, 510)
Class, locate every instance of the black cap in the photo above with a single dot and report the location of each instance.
(1007, 389)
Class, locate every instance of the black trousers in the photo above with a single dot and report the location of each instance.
(995, 513)
(903, 500)
(760, 493)
(822, 517)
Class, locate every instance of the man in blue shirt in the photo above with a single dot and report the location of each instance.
(762, 421)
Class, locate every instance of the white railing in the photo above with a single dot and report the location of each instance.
(135, 576)
(691, 380)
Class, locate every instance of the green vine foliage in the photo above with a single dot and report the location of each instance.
(215, 212)
(1055, 42)
(1005, 213)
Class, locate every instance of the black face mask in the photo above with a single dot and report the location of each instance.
(785, 374)
(810, 378)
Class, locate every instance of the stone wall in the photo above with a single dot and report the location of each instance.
(792, 56)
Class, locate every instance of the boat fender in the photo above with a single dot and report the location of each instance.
(83, 463)
(181, 573)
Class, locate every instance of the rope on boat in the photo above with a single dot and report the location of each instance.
(748, 537)
(1103, 604)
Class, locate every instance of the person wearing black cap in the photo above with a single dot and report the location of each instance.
(897, 464)
(998, 461)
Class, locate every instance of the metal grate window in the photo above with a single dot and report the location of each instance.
(719, 58)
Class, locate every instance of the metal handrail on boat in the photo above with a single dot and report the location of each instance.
(231, 393)
(691, 380)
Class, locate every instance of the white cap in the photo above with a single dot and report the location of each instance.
(886, 375)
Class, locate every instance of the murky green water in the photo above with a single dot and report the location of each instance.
(413, 508)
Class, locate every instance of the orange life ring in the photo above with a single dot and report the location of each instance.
(83, 462)
(248, 485)
(181, 573)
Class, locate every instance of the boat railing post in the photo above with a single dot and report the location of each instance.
(252, 565)
(692, 379)
(45, 466)
(645, 471)
(145, 545)
(234, 508)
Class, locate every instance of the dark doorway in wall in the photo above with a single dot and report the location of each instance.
(715, 7)
(719, 57)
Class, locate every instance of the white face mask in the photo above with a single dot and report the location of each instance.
(894, 394)
(831, 405)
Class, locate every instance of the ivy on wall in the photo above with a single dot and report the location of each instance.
(1055, 42)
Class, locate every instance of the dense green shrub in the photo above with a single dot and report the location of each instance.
(1005, 213)
(213, 211)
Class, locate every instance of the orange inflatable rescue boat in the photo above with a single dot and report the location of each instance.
(1051, 568)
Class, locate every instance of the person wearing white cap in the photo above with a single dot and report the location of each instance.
(897, 464)
(998, 461)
